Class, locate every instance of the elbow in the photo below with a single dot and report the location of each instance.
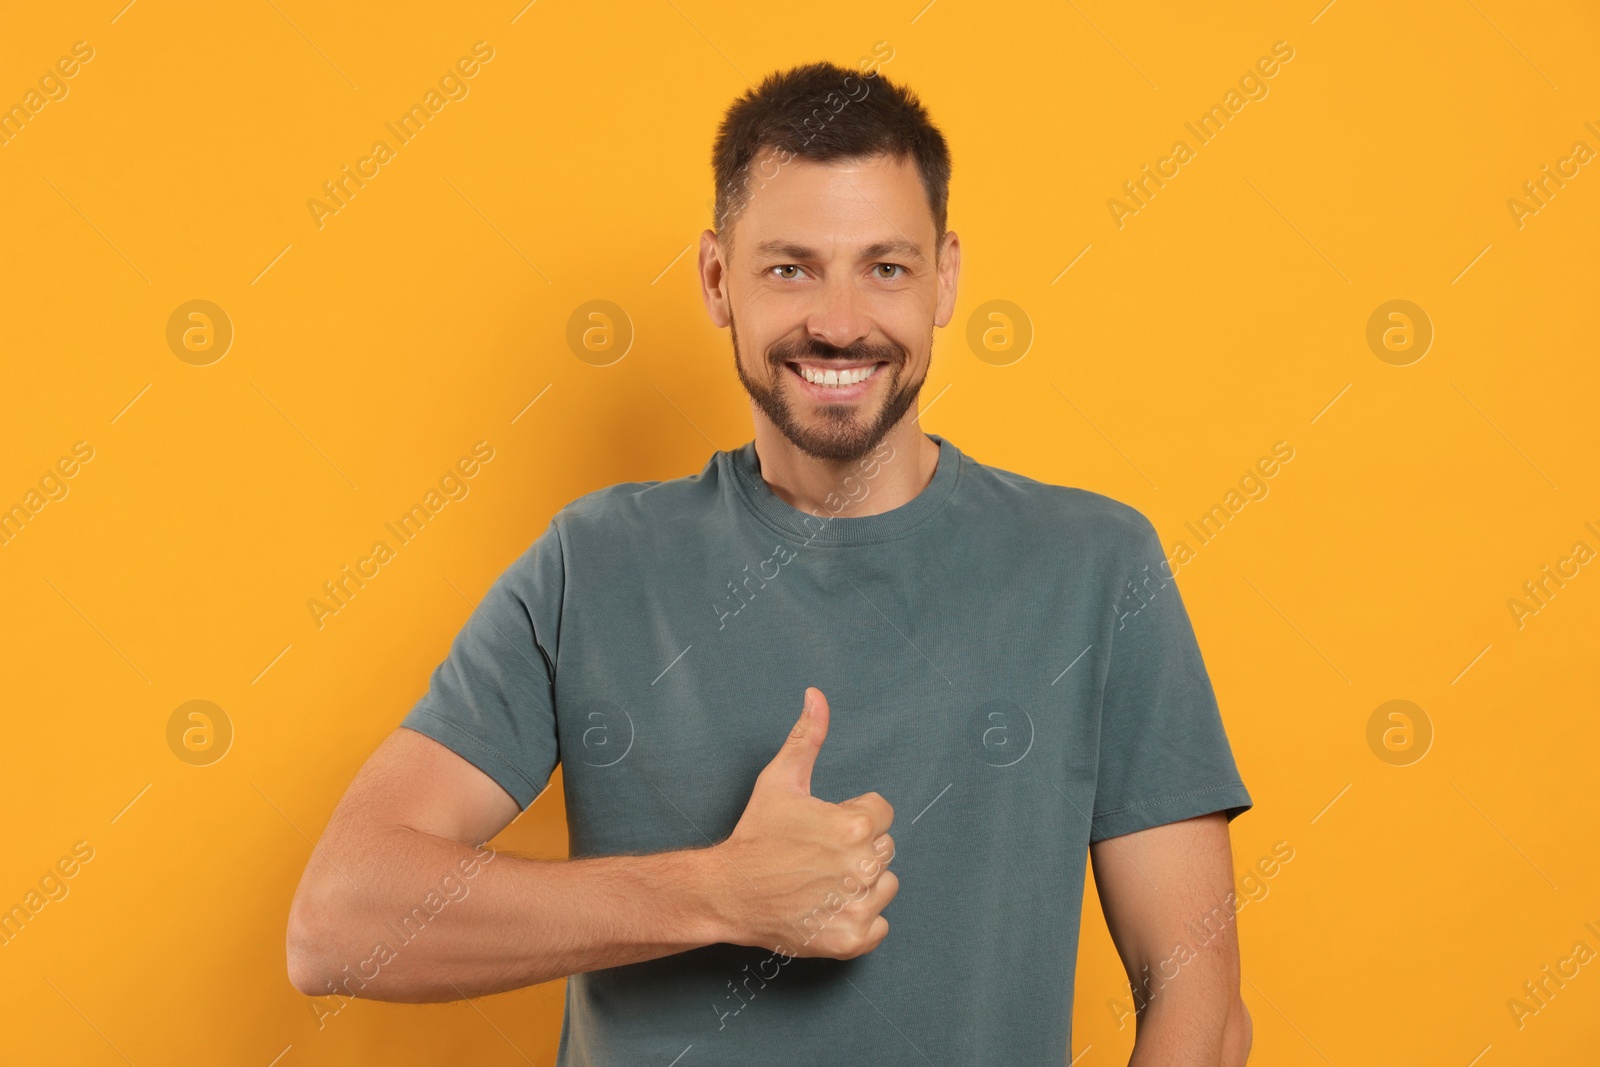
(306, 973)
(1237, 1035)
(310, 942)
(305, 976)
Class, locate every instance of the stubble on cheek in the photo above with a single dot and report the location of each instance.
(847, 432)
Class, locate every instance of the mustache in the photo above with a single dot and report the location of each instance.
(811, 348)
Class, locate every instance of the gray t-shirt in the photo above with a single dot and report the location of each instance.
(1007, 662)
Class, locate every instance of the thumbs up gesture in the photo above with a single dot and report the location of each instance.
(809, 876)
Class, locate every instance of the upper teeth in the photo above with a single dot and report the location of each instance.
(837, 377)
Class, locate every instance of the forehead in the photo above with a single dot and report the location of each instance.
(835, 206)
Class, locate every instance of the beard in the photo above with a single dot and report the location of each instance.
(845, 434)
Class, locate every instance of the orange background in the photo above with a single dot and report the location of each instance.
(369, 354)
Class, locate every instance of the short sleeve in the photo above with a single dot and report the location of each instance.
(1164, 755)
(492, 699)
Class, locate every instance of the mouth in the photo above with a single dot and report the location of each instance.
(833, 382)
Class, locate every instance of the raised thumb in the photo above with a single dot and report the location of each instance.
(794, 761)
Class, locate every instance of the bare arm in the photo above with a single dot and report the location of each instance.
(397, 903)
(1167, 895)
(394, 862)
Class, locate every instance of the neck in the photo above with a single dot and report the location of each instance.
(882, 480)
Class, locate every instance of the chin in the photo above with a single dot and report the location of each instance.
(830, 442)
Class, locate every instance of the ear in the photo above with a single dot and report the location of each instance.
(714, 278)
(949, 274)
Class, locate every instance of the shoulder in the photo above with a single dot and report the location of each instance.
(627, 527)
(636, 513)
(1060, 511)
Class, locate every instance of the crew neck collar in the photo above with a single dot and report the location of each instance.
(843, 529)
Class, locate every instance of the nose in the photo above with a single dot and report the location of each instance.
(839, 319)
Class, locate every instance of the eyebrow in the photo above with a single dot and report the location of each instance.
(877, 250)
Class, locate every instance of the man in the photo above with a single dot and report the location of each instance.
(1001, 668)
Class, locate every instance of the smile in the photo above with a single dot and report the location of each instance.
(833, 377)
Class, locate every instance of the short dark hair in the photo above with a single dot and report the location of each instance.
(821, 112)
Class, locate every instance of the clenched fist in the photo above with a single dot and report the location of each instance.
(807, 876)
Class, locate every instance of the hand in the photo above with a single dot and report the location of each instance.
(801, 875)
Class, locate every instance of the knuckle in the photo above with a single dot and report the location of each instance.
(874, 939)
(876, 800)
(858, 828)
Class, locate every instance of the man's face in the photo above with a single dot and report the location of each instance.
(831, 296)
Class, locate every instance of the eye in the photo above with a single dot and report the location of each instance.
(785, 266)
(891, 266)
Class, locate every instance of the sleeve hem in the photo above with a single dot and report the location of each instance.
(1231, 798)
(477, 752)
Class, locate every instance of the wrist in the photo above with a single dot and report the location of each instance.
(712, 896)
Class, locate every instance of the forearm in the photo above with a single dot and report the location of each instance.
(1175, 1030)
(401, 919)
